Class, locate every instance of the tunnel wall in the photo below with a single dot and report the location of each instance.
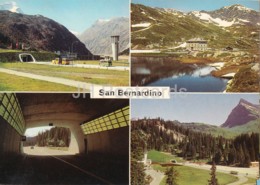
(12, 124)
(113, 142)
(10, 140)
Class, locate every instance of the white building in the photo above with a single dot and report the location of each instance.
(197, 44)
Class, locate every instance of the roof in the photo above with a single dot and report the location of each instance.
(196, 40)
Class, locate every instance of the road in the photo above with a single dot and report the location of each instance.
(156, 175)
(58, 169)
(73, 83)
(91, 66)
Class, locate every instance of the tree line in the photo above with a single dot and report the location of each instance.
(55, 137)
(172, 137)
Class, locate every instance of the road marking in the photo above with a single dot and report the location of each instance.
(84, 171)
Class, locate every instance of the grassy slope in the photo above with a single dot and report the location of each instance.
(245, 80)
(95, 76)
(160, 157)
(196, 176)
(225, 132)
(15, 83)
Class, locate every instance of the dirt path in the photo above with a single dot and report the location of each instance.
(72, 83)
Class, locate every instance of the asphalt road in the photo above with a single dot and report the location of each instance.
(156, 175)
(57, 169)
(63, 81)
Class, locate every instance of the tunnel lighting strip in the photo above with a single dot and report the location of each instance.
(11, 111)
(113, 120)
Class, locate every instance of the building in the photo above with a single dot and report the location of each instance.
(197, 44)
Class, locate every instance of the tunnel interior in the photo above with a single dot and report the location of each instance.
(101, 135)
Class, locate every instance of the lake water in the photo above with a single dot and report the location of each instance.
(166, 71)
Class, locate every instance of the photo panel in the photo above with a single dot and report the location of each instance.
(54, 138)
(195, 47)
(195, 139)
(62, 45)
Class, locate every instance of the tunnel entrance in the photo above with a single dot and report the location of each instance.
(26, 57)
(44, 141)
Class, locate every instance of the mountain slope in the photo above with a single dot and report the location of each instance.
(39, 32)
(243, 113)
(98, 37)
(167, 28)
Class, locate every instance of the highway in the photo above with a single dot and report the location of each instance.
(58, 169)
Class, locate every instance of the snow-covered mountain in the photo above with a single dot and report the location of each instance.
(98, 37)
(229, 15)
(11, 6)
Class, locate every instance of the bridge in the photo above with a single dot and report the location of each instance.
(99, 149)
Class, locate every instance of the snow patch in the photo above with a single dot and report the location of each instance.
(152, 18)
(242, 20)
(143, 13)
(207, 17)
(239, 7)
(145, 25)
(75, 33)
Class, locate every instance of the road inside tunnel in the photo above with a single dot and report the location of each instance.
(60, 169)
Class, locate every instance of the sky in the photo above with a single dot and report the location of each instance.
(192, 5)
(31, 132)
(76, 15)
(202, 108)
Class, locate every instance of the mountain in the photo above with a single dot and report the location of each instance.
(39, 32)
(98, 37)
(11, 6)
(243, 113)
(153, 28)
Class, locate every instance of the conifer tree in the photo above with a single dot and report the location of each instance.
(172, 176)
(213, 179)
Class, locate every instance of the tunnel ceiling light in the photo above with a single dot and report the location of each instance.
(113, 120)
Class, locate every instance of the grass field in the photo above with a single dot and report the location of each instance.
(94, 76)
(250, 181)
(160, 157)
(196, 176)
(15, 83)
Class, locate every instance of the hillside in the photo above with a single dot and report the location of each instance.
(154, 28)
(98, 37)
(55, 137)
(37, 33)
(193, 144)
